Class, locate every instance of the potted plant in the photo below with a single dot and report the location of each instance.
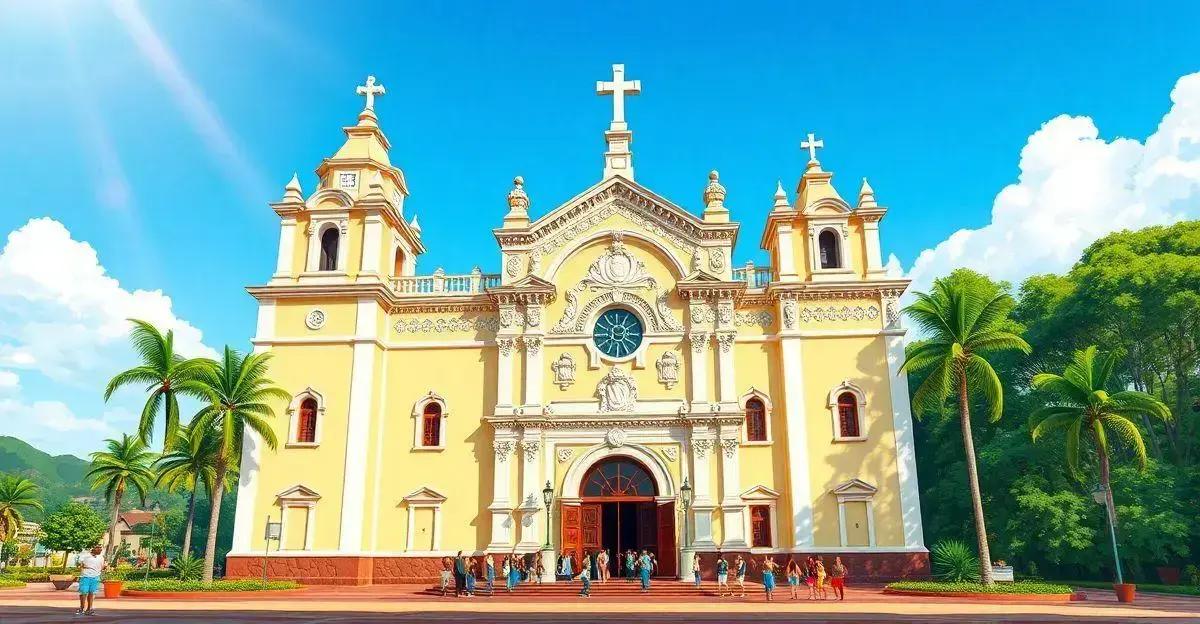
(114, 583)
(1125, 591)
(62, 581)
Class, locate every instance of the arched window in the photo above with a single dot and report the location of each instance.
(398, 263)
(828, 244)
(431, 425)
(306, 425)
(329, 249)
(847, 409)
(756, 421)
(619, 476)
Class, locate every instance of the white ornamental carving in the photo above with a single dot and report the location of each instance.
(716, 260)
(445, 325)
(697, 313)
(315, 319)
(506, 345)
(725, 339)
(617, 391)
(564, 371)
(533, 316)
(503, 448)
(668, 369)
(533, 344)
(838, 313)
(615, 437)
(725, 312)
(699, 341)
(513, 266)
(530, 448)
(761, 318)
(701, 447)
(789, 314)
(664, 312)
(672, 453)
(617, 268)
(730, 446)
(571, 310)
(893, 313)
(564, 455)
(508, 317)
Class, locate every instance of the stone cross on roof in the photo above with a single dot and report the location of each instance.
(618, 88)
(812, 145)
(370, 90)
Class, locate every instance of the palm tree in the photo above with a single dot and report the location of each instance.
(239, 395)
(962, 320)
(1083, 404)
(125, 464)
(16, 495)
(165, 374)
(189, 465)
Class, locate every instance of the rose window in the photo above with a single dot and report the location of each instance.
(618, 333)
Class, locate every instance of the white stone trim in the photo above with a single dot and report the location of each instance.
(287, 248)
(424, 497)
(569, 250)
(792, 371)
(653, 462)
(293, 412)
(252, 444)
(298, 496)
(861, 404)
(319, 226)
(762, 495)
(906, 457)
(755, 393)
(358, 423)
(855, 490)
(418, 415)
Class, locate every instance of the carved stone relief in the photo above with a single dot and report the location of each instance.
(503, 448)
(617, 391)
(668, 369)
(564, 371)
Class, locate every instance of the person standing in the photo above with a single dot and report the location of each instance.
(645, 565)
(585, 577)
(566, 570)
(506, 570)
(722, 576)
(821, 579)
(460, 574)
(471, 578)
(537, 567)
(810, 576)
(739, 567)
(768, 576)
(89, 580)
(489, 572)
(447, 573)
(602, 565)
(630, 560)
(696, 569)
(837, 578)
(793, 575)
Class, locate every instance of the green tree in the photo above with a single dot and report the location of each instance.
(72, 528)
(188, 465)
(962, 320)
(17, 494)
(239, 396)
(125, 464)
(1087, 411)
(167, 375)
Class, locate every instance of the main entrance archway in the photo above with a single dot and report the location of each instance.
(620, 510)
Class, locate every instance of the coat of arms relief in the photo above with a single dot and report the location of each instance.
(616, 275)
(617, 391)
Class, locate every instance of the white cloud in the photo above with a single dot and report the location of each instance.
(1074, 188)
(9, 381)
(64, 317)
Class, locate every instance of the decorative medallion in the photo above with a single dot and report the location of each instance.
(315, 319)
(615, 437)
(668, 369)
(716, 260)
(789, 314)
(513, 266)
(617, 391)
(761, 318)
(618, 268)
(564, 371)
(564, 454)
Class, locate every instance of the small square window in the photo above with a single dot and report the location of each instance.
(348, 180)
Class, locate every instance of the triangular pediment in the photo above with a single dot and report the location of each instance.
(701, 277)
(298, 492)
(424, 495)
(760, 492)
(854, 487)
(531, 281)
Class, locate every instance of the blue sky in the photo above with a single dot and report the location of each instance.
(157, 132)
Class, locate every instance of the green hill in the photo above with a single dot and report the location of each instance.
(60, 477)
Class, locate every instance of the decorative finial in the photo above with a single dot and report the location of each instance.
(714, 193)
(812, 144)
(781, 202)
(293, 192)
(416, 227)
(866, 195)
(517, 199)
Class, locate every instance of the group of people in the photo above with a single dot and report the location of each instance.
(597, 564)
(465, 572)
(811, 572)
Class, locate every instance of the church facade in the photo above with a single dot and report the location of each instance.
(620, 383)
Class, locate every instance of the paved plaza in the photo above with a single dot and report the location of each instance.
(38, 604)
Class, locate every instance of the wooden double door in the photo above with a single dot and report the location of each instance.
(621, 524)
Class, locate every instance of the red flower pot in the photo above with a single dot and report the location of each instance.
(1125, 591)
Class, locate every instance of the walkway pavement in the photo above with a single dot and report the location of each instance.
(39, 603)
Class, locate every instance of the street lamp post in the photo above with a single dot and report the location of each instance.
(547, 497)
(685, 500)
(1100, 495)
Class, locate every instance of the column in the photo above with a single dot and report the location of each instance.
(506, 341)
(243, 520)
(733, 508)
(797, 421)
(287, 248)
(501, 508)
(531, 509)
(534, 357)
(358, 422)
(698, 367)
(786, 255)
(702, 444)
(726, 335)
(874, 254)
(372, 248)
(906, 459)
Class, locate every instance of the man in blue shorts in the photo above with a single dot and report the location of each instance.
(89, 580)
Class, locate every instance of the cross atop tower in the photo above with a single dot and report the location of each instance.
(812, 144)
(370, 90)
(618, 88)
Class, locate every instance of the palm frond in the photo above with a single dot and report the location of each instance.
(982, 377)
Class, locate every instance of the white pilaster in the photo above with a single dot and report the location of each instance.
(504, 368)
(698, 367)
(797, 436)
(243, 520)
(906, 458)
(733, 508)
(534, 359)
(703, 446)
(372, 248)
(358, 423)
(874, 253)
(786, 255)
(531, 490)
(725, 336)
(287, 248)
(501, 509)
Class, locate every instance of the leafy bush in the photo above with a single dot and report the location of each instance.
(6, 583)
(1019, 587)
(1191, 575)
(1183, 590)
(954, 561)
(127, 573)
(215, 586)
(188, 568)
(28, 577)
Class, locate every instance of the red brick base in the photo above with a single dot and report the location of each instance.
(364, 570)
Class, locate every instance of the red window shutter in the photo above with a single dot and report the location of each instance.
(848, 415)
(756, 421)
(306, 430)
(431, 423)
(760, 526)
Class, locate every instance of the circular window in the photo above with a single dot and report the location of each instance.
(618, 333)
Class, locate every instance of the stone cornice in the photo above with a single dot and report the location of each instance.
(599, 422)
(380, 292)
(710, 291)
(871, 289)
